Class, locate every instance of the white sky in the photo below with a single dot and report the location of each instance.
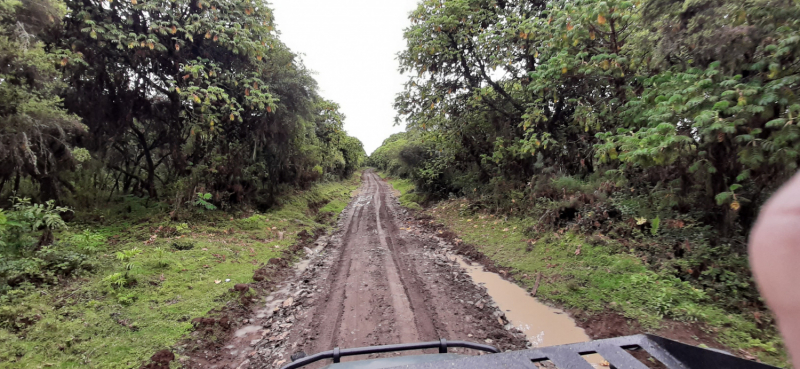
(352, 47)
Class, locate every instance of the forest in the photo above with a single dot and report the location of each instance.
(661, 125)
(163, 99)
(118, 115)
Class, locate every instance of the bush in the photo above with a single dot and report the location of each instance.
(88, 241)
(47, 265)
(19, 227)
(23, 258)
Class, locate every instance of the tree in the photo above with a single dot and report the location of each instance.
(700, 95)
(36, 133)
(188, 95)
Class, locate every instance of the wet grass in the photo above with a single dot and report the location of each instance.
(91, 323)
(405, 188)
(596, 274)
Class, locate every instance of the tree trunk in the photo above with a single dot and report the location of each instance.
(49, 189)
(150, 181)
(16, 183)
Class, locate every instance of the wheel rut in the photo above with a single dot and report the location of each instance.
(373, 281)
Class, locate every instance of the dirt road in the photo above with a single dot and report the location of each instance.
(372, 282)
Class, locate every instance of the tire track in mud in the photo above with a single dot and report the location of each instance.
(414, 290)
(330, 331)
(336, 291)
(401, 299)
(372, 282)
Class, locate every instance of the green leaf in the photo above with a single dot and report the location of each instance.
(743, 176)
(722, 105)
(723, 197)
(776, 123)
(654, 224)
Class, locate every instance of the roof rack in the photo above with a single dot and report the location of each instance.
(672, 354)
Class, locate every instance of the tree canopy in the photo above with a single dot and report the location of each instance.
(165, 98)
(662, 125)
(696, 96)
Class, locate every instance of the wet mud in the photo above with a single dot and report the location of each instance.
(380, 278)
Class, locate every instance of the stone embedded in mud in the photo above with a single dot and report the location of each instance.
(288, 302)
(160, 360)
(203, 321)
(279, 337)
(224, 322)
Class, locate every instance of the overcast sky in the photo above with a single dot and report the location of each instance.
(352, 47)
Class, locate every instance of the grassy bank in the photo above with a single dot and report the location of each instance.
(406, 192)
(597, 274)
(150, 276)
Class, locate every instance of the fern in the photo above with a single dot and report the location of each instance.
(202, 200)
(117, 280)
(19, 227)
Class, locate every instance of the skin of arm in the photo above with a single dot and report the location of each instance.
(774, 250)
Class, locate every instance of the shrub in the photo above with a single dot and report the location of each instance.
(88, 241)
(47, 265)
(203, 201)
(19, 227)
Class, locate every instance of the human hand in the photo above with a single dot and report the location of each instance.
(775, 260)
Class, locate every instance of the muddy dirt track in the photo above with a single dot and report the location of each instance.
(375, 281)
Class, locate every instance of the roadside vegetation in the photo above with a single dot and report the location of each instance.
(153, 154)
(109, 294)
(644, 134)
(597, 274)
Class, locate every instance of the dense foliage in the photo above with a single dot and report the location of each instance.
(127, 123)
(664, 123)
(163, 99)
(36, 131)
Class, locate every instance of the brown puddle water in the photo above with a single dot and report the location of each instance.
(542, 324)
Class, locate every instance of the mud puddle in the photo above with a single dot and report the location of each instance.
(542, 325)
(365, 284)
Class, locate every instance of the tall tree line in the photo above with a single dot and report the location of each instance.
(160, 98)
(696, 99)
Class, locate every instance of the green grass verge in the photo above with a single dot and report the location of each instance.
(597, 274)
(89, 323)
(602, 275)
(405, 187)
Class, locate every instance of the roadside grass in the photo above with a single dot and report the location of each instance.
(405, 187)
(598, 274)
(183, 271)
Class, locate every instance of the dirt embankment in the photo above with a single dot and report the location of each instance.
(372, 282)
